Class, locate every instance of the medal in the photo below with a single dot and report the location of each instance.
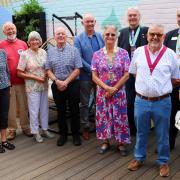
(111, 76)
(110, 63)
(132, 48)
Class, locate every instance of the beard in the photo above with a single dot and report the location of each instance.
(11, 37)
(154, 45)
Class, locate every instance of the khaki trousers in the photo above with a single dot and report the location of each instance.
(18, 97)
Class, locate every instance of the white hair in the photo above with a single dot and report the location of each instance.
(34, 35)
(6, 24)
(134, 8)
(160, 26)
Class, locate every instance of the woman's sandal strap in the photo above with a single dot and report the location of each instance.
(8, 145)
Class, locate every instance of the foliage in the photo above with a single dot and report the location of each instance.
(29, 7)
(28, 18)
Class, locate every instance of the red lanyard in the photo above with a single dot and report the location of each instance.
(152, 66)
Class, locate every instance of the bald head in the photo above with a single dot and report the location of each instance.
(60, 36)
(60, 29)
(88, 22)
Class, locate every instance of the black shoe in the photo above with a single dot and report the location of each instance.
(8, 145)
(62, 140)
(76, 140)
(2, 150)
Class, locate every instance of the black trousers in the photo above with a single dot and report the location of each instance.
(69, 96)
(130, 95)
(173, 131)
(4, 107)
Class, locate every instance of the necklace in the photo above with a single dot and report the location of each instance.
(109, 62)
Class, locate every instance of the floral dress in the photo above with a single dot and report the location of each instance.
(111, 113)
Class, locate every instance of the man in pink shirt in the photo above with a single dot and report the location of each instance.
(13, 48)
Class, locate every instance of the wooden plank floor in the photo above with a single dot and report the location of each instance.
(43, 161)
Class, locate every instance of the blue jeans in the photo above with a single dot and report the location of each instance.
(159, 112)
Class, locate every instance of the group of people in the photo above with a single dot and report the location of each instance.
(135, 78)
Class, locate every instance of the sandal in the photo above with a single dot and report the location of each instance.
(2, 150)
(104, 148)
(8, 145)
(122, 150)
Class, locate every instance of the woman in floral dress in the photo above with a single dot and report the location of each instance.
(31, 67)
(110, 72)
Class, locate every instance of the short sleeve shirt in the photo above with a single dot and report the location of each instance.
(159, 82)
(62, 61)
(33, 63)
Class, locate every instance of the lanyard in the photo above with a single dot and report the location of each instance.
(152, 66)
(132, 40)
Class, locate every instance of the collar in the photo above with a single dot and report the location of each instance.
(93, 35)
(62, 48)
(134, 29)
(157, 52)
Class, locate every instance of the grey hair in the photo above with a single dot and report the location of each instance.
(112, 26)
(6, 24)
(156, 25)
(134, 8)
(34, 35)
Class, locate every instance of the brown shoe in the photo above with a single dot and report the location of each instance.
(11, 134)
(135, 165)
(27, 132)
(164, 170)
(86, 135)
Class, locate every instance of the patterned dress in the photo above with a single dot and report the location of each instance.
(111, 113)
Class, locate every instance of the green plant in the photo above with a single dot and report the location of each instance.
(29, 7)
(27, 18)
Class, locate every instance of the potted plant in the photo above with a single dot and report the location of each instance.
(31, 17)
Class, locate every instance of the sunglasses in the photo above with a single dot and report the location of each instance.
(159, 35)
(110, 34)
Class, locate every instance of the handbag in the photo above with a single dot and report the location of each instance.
(177, 120)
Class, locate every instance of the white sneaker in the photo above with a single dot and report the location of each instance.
(47, 134)
(38, 138)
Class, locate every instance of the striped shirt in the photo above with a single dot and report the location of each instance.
(62, 61)
(4, 72)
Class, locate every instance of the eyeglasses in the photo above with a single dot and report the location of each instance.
(110, 34)
(159, 35)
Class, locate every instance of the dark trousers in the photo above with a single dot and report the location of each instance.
(61, 98)
(130, 95)
(173, 131)
(4, 107)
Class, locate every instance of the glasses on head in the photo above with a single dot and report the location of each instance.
(110, 34)
(159, 35)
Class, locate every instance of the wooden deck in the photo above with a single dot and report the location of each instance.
(42, 161)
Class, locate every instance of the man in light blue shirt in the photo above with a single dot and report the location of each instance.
(87, 42)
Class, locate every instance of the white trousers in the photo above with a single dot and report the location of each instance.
(38, 108)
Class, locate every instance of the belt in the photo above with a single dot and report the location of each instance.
(153, 98)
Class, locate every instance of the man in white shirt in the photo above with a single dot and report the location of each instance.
(156, 69)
